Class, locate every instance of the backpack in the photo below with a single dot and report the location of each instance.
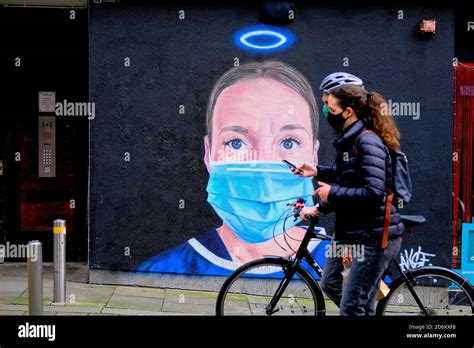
(399, 184)
(400, 181)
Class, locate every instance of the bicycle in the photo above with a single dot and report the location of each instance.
(277, 285)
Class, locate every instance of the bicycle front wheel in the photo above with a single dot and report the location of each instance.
(439, 292)
(249, 290)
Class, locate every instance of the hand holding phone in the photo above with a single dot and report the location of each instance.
(305, 169)
(291, 165)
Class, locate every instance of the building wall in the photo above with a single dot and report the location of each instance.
(136, 206)
(52, 48)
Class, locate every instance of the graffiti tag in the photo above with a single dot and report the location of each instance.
(414, 259)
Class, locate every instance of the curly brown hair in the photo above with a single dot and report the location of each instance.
(372, 108)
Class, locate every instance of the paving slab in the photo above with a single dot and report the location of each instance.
(189, 308)
(123, 311)
(9, 297)
(12, 284)
(73, 314)
(133, 302)
(60, 309)
(87, 295)
(191, 297)
(140, 291)
(11, 307)
(12, 313)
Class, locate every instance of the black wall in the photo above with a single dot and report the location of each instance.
(464, 39)
(136, 204)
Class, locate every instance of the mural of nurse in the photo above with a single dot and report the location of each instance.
(258, 114)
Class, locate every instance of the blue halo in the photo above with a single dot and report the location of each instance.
(263, 38)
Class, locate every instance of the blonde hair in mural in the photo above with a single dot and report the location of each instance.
(273, 69)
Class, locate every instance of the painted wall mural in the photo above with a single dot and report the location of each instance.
(258, 115)
(195, 113)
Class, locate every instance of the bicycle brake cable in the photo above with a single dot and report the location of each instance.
(276, 223)
(285, 234)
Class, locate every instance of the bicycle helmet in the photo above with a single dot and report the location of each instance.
(338, 79)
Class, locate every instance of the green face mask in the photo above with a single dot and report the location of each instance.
(326, 111)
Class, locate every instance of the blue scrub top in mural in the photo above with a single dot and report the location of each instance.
(207, 255)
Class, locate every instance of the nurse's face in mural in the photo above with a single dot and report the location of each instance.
(260, 120)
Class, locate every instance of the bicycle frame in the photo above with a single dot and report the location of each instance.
(410, 281)
(301, 254)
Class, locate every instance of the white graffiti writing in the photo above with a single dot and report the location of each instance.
(414, 259)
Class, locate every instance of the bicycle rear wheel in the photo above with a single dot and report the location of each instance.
(440, 291)
(249, 290)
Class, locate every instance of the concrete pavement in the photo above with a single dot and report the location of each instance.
(92, 299)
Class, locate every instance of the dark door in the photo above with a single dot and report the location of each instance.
(9, 183)
(45, 50)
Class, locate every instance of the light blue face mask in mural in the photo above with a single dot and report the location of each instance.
(251, 197)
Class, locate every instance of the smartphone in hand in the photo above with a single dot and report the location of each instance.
(289, 164)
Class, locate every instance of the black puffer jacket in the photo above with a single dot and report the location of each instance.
(358, 183)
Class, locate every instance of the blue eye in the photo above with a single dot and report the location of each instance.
(289, 143)
(235, 144)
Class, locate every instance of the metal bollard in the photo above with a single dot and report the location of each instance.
(59, 231)
(35, 277)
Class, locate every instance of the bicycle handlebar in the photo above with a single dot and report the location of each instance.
(298, 205)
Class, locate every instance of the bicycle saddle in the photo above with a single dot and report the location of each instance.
(413, 220)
